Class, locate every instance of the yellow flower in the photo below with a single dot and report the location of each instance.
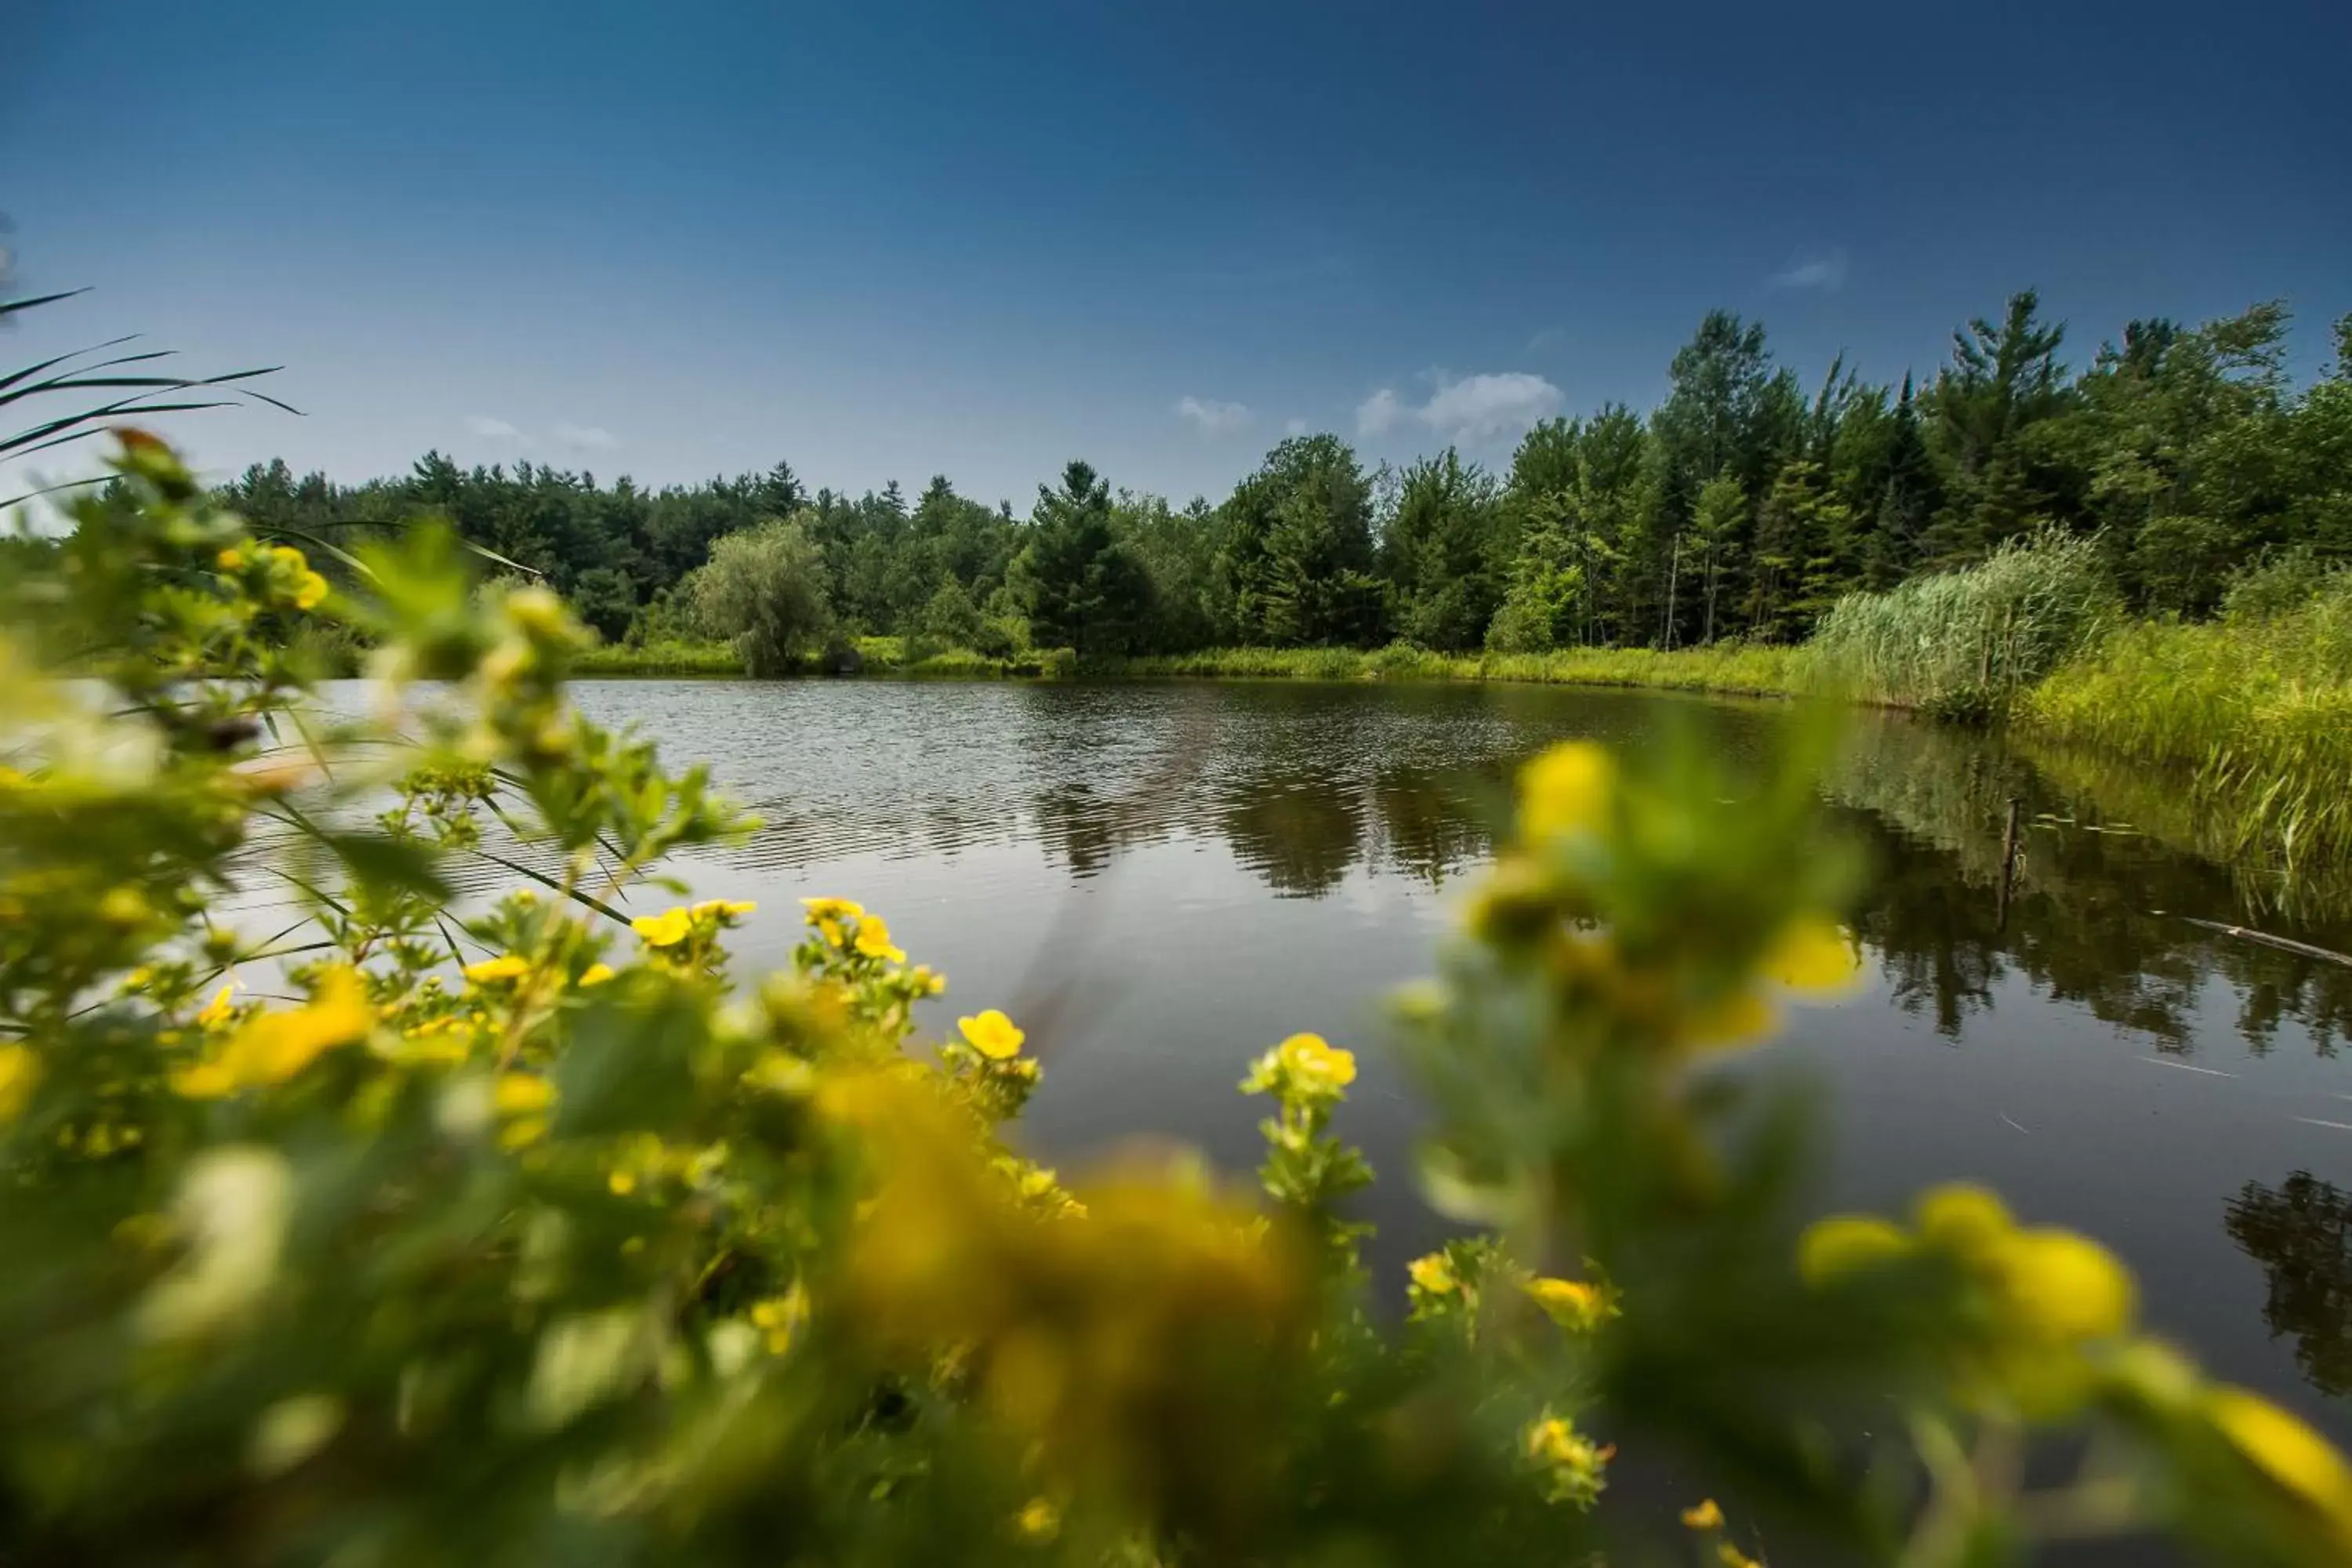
(1039, 1522)
(230, 560)
(596, 975)
(1730, 1556)
(202, 1081)
(729, 908)
(1964, 1219)
(308, 589)
(506, 966)
(2290, 1453)
(992, 1034)
(1434, 1273)
(834, 909)
(778, 1317)
(1316, 1068)
(290, 557)
(874, 941)
(1574, 1462)
(521, 1093)
(1706, 1516)
(2064, 1287)
(1812, 955)
(621, 1184)
(1566, 789)
(664, 929)
(1572, 1303)
(929, 981)
(274, 1046)
(20, 1074)
(218, 1010)
(1844, 1243)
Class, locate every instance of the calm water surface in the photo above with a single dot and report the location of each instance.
(1160, 880)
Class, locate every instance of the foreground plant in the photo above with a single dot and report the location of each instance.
(370, 1232)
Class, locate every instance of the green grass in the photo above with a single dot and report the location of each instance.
(1728, 667)
(2251, 715)
(661, 659)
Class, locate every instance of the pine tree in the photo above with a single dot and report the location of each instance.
(1079, 586)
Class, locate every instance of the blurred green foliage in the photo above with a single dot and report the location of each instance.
(521, 1234)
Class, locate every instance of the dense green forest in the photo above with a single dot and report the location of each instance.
(1741, 507)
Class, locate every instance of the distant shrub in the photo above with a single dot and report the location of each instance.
(765, 590)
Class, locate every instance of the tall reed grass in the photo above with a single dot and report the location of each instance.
(2254, 711)
(1964, 644)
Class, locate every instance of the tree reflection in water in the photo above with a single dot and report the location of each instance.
(2301, 1233)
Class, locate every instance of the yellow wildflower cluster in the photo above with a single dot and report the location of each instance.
(2039, 1297)
(1570, 1468)
(688, 934)
(271, 1047)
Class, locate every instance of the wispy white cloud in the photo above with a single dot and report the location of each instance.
(490, 429)
(1545, 339)
(1483, 408)
(1381, 413)
(1212, 416)
(585, 437)
(1823, 269)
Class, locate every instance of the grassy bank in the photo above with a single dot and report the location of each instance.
(2252, 713)
(1728, 668)
(661, 659)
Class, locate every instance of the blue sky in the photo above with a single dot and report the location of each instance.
(891, 239)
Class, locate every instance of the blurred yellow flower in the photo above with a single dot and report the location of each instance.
(506, 966)
(1962, 1218)
(230, 560)
(274, 1046)
(596, 975)
(20, 1074)
(834, 909)
(1843, 1244)
(1572, 1303)
(1566, 789)
(778, 1318)
(521, 1093)
(2064, 1287)
(1706, 1516)
(2286, 1450)
(1730, 1556)
(874, 941)
(664, 929)
(218, 1010)
(310, 588)
(1434, 1273)
(1315, 1066)
(992, 1034)
(1814, 956)
(1039, 1522)
(729, 908)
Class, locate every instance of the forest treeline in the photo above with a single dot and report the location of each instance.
(1744, 506)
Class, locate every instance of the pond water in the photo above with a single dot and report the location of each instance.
(1159, 881)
